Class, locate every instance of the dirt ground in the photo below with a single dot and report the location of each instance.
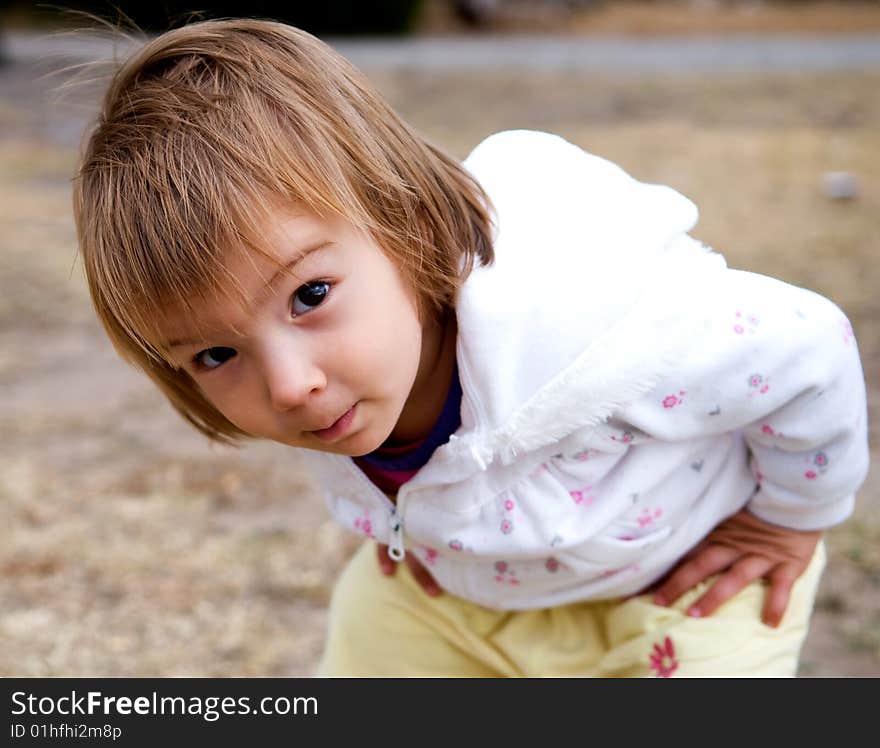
(129, 546)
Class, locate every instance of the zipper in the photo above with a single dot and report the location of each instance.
(396, 551)
(395, 543)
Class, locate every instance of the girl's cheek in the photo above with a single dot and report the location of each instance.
(236, 410)
(220, 387)
(215, 399)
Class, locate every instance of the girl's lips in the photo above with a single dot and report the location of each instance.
(339, 428)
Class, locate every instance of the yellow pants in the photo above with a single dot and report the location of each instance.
(388, 627)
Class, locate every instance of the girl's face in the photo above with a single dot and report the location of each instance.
(330, 355)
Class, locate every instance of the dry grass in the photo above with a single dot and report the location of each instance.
(129, 547)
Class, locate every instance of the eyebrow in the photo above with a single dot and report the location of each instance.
(283, 270)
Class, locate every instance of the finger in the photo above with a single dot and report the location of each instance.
(387, 565)
(703, 564)
(739, 575)
(779, 593)
(422, 576)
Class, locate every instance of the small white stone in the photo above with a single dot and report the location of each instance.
(840, 185)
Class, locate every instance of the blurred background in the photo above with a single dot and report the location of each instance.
(131, 547)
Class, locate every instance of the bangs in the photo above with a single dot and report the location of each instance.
(182, 181)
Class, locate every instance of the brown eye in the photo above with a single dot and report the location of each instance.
(211, 358)
(308, 296)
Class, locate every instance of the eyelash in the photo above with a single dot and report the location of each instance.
(198, 360)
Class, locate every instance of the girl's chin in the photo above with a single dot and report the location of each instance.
(363, 443)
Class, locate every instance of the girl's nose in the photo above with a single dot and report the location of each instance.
(291, 379)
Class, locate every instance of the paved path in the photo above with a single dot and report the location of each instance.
(729, 54)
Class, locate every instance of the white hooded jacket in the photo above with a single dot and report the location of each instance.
(623, 392)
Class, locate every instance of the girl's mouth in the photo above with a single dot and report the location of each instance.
(338, 428)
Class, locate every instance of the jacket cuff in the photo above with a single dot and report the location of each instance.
(802, 515)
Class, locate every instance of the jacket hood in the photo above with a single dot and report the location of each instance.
(575, 226)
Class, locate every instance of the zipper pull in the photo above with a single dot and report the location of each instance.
(395, 544)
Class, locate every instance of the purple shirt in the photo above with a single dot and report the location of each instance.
(389, 467)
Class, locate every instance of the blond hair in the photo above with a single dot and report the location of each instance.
(206, 128)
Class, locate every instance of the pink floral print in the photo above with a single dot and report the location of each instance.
(430, 556)
(671, 401)
(635, 568)
(507, 506)
(552, 565)
(767, 429)
(364, 525)
(758, 383)
(819, 461)
(847, 331)
(504, 574)
(583, 497)
(649, 516)
(585, 454)
(456, 545)
(662, 659)
(540, 469)
(745, 323)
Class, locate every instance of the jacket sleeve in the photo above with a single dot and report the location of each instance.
(780, 365)
(809, 454)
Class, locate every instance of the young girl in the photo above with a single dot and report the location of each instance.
(598, 450)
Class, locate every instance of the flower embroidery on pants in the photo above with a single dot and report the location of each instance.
(662, 659)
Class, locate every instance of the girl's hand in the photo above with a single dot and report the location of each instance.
(419, 572)
(742, 549)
